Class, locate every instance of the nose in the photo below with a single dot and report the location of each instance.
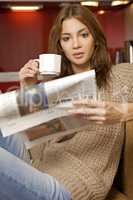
(76, 43)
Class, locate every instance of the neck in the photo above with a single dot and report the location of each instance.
(77, 69)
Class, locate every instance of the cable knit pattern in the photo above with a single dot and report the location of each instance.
(86, 164)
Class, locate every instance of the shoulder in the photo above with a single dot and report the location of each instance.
(122, 81)
(123, 70)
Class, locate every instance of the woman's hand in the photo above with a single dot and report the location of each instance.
(28, 73)
(101, 112)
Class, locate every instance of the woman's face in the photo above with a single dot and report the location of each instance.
(77, 44)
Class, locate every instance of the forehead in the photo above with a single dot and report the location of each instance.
(72, 25)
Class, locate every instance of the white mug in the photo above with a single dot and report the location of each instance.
(49, 64)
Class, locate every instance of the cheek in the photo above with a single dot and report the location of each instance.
(90, 48)
(66, 49)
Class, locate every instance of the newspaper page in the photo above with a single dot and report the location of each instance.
(55, 100)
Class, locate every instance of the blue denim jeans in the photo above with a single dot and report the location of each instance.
(19, 180)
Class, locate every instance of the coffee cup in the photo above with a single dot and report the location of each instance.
(49, 64)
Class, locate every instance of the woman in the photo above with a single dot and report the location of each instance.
(83, 166)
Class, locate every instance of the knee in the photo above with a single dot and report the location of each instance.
(15, 145)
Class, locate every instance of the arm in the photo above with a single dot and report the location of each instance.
(28, 77)
(30, 98)
(103, 112)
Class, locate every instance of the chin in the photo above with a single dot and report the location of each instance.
(80, 62)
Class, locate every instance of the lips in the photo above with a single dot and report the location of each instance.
(78, 55)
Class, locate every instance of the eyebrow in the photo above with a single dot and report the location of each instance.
(83, 29)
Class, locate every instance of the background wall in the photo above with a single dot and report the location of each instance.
(113, 26)
(128, 22)
(24, 35)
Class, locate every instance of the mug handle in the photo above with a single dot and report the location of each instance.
(37, 60)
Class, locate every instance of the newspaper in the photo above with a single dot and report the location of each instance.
(54, 99)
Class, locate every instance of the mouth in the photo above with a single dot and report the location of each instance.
(78, 55)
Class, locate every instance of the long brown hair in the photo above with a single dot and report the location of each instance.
(100, 60)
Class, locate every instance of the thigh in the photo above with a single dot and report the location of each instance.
(18, 180)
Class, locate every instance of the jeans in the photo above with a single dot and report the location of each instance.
(19, 180)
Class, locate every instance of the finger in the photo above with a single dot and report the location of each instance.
(81, 111)
(100, 122)
(28, 71)
(89, 111)
(82, 102)
(95, 118)
(27, 75)
(89, 103)
(33, 66)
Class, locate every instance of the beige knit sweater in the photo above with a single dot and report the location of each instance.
(86, 164)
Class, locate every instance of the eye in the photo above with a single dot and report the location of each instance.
(65, 39)
(85, 35)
